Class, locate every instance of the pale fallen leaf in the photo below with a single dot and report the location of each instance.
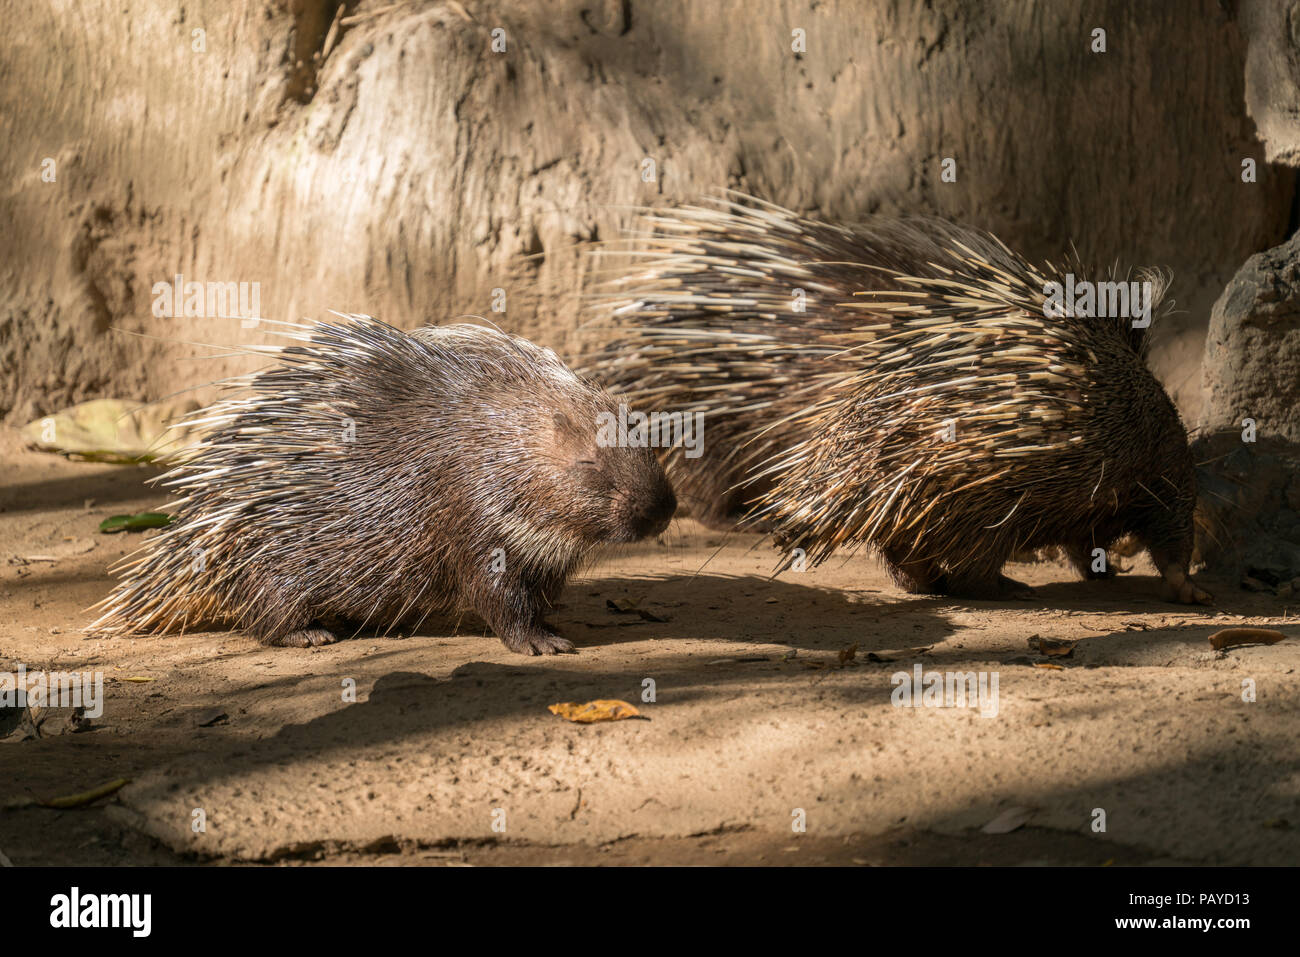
(115, 430)
(1009, 820)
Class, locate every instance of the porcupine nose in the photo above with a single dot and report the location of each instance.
(657, 511)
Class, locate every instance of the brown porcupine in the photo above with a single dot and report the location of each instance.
(375, 477)
(922, 403)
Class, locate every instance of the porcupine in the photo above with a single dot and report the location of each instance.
(375, 477)
(922, 404)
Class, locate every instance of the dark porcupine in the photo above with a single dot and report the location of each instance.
(923, 404)
(375, 477)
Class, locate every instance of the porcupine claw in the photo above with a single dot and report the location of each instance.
(1179, 587)
(1189, 593)
(540, 640)
(306, 638)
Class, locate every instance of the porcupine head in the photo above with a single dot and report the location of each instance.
(376, 477)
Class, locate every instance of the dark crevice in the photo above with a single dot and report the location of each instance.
(313, 22)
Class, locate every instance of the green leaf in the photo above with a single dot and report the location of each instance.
(134, 523)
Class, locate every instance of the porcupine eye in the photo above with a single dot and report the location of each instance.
(587, 468)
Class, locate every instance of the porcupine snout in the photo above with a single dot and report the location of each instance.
(646, 508)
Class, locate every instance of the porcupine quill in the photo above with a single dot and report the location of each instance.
(375, 477)
(922, 403)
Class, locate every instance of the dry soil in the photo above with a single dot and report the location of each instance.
(760, 717)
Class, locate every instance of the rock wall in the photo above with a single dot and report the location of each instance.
(1252, 353)
(383, 158)
(1249, 430)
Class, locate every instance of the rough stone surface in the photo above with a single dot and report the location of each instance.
(396, 165)
(1249, 507)
(1273, 75)
(1252, 352)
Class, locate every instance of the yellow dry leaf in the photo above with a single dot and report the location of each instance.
(1052, 647)
(603, 709)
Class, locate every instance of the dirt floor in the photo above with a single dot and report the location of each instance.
(760, 717)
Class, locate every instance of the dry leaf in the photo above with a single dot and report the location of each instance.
(1230, 637)
(848, 654)
(603, 709)
(1049, 666)
(1052, 647)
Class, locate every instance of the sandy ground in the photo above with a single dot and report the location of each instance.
(759, 717)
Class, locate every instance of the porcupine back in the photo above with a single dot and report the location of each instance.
(368, 478)
(922, 403)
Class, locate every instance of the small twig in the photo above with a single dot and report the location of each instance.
(332, 36)
(71, 800)
(363, 17)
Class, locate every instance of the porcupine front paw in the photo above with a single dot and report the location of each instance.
(305, 638)
(539, 639)
(1182, 589)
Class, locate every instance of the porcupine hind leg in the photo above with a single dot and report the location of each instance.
(914, 577)
(516, 612)
(281, 627)
(299, 634)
